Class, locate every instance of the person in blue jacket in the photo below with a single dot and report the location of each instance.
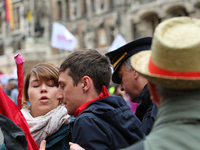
(102, 121)
(46, 116)
(132, 82)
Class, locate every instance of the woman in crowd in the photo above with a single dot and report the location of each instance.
(47, 118)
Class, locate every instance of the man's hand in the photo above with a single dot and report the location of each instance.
(43, 145)
(74, 146)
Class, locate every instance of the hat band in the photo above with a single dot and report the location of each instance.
(159, 71)
(114, 65)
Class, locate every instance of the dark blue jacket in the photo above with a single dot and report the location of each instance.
(60, 140)
(107, 124)
(146, 111)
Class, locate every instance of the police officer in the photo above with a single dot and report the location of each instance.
(132, 82)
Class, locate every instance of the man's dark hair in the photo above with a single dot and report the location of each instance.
(13, 81)
(88, 62)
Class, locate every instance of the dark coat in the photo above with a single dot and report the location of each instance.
(106, 124)
(14, 137)
(60, 140)
(146, 111)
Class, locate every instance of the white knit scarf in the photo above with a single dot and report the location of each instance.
(43, 126)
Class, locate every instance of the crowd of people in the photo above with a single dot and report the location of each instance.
(154, 102)
(9, 85)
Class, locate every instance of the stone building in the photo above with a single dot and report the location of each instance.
(29, 37)
(94, 23)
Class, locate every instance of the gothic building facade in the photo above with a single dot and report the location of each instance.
(94, 23)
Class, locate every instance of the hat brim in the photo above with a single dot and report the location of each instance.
(140, 62)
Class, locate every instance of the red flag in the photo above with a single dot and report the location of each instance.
(20, 74)
(9, 109)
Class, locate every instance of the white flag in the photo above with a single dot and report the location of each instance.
(118, 42)
(61, 38)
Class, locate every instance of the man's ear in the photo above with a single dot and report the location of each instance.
(86, 83)
(135, 74)
(153, 92)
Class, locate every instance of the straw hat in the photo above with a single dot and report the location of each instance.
(174, 59)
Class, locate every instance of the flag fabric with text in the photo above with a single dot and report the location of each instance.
(62, 38)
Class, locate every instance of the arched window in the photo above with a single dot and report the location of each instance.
(16, 13)
(102, 4)
(151, 22)
(146, 26)
(59, 10)
(135, 30)
(39, 23)
(93, 5)
(101, 37)
(67, 9)
(110, 3)
(18, 42)
(111, 34)
(1, 48)
(177, 11)
(84, 8)
(1, 22)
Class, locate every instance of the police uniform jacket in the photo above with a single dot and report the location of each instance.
(146, 111)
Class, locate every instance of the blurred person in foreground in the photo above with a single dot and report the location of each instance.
(47, 118)
(132, 82)
(172, 68)
(102, 121)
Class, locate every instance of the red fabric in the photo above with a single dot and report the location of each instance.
(159, 71)
(14, 113)
(81, 108)
(20, 74)
(9, 109)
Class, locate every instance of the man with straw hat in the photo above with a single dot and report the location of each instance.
(172, 68)
(133, 83)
